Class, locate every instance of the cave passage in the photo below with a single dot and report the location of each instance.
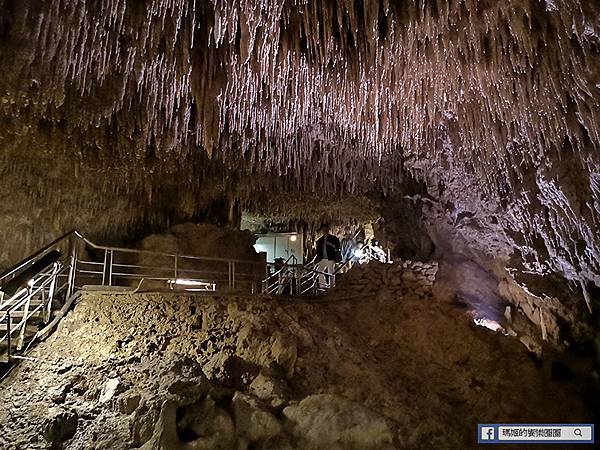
(272, 224)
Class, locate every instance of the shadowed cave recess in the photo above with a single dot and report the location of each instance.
(464, 133)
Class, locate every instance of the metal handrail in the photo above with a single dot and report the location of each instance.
(34, 257)
(43, 281)
(269, 287)
(307, 275)
(42, 284)
(22, 301)
(157, 253)
(304, 274)
(285, 265)
(22, 265)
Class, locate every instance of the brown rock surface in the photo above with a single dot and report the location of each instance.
(416, 372)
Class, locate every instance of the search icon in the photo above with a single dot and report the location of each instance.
(577, 432)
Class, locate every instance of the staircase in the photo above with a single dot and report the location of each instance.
(34, 289)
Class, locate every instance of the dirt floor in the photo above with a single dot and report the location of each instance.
(378, 363)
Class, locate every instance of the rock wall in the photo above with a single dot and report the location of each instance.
(483, 265)
(402, 228)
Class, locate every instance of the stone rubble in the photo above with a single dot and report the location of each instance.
(401, 278)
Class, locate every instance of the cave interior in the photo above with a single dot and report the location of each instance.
(457, 142)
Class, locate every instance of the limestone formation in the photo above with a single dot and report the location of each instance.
(120, 117)
(462, 135)
(336, 423)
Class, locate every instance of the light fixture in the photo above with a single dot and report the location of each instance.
(183, 282)
(293, 238)
(193, 285)
(490, 325)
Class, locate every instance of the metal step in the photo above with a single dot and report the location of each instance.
(34, 303)
(21, 313)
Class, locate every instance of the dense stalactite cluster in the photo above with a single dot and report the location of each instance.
(280, 82)
(484, 101)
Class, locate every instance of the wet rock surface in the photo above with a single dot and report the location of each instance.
(392, 366)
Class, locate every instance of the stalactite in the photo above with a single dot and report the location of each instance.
(331, 96)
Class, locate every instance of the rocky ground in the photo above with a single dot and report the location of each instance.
(378, 363)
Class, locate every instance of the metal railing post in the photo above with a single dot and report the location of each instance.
(233, 274)
(51, 289)
(44, 300)
(8, 336)
(110, 267)
(72, 274)
(104, 267)
(25, 312)
(229, 274)
(175, 269)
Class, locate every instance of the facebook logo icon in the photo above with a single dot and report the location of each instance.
(487, 433)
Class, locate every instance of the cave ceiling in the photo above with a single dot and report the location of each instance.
(492, 105)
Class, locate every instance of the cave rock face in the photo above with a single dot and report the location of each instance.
(119, 115)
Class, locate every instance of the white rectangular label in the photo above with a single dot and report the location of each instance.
(544, 433)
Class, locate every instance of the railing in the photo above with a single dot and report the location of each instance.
(30, 288)
(297, 279)
(314, 281)
(63, 245)
(34, 300)
(51, 275)
(116, 266)
(281, 278)
(307, 279)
